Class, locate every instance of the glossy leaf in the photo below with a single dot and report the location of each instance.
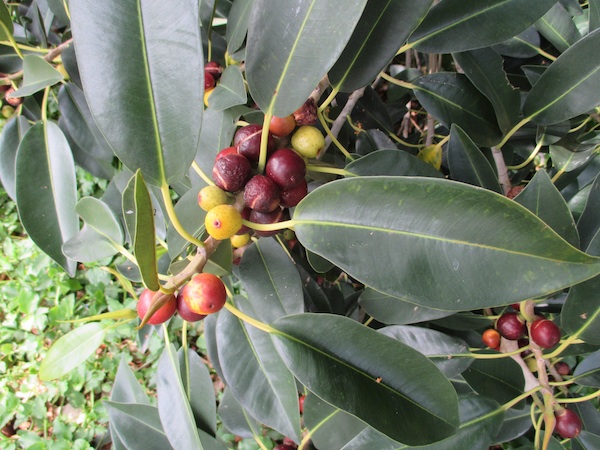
(152, 116)
(380, 32)
(230, 91)
(545, 201)
(393, 163)
(236, 420)
(393, 310)
(568, 160)
(256, 374)
(71, 350)
(485, 69)
(37, 75)
(286, 59)
(46, 201)
(271, 281)
(174, 409)
(404, 247)
(588, 224)
(587, 372)
(523, 45)
(127, 389)
(456, 26)
(237, 24)
(437, 346)
(588, 441)
(558, 28)
(499, 379)
(139, 216)
(468, 164)
(452, 99)
(395, 389)
(138, 427)
(11, 136)
(569, 86)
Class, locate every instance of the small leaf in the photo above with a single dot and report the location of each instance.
(137, 426)
(568, 160)
(230, 91)
(432, 155)
(395, 389)
(569, 86)
(71, 350)
(173, 407)
(37, 74)
(558, 28)
(237, 24)
(124, 313)
(391, 162)
(587, 372)
(126, 388)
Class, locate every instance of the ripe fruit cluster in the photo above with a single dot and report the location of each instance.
(202, 295)
(544, 332)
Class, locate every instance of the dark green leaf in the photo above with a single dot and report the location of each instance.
(279, 76)
(137, 426)
(500, 379)
(452, 99)
(393, 310)
(256, 374)
(152, 115)
(437, 346)
(380, 32)
(12, 133)
(395, 389)
(271, 281)
(37, 74)
(523, 45)
(7, 28)
(588, 441)
(174, 409)
(393, 163)
(569, 86)
(71, 350)
(516, 423)
(230, 91)
(541, 197)
(237, 24)
(594, 11)
(127, 389)
(46, 190)
(139, 216)
(456, 26)
(587, 372)
(467, 163)
(236, 420)
(588, 224)
(485, 69)
(568, 160)
(402, 244)
(558, 28)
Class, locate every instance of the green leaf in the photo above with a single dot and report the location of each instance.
(437, 346)
(467, 163)
(558, 28)
(541, 197)
(568, 160)
(402, 245)
(380, 32)
(395, 389)
(46, 190)
(587, 372)
(237, 24)
(152, 115)
(236, 420)
(174, 409)
(11, 136)
(256, 374)
(499, 379)
(286, 54)
(588, 224)
(271, 281)
(126, 388)
(37, 74)
(139, 216)
(452, 99)
(594, 10)
(457, 26)
(391, 162)
(568, 87)
(71, 350)
(393, 310)
(137, 426)
(485, 69)
(7, 28)
(230, 91)
(191, 217)
(516, 423)
(588, 441)
(199, 388)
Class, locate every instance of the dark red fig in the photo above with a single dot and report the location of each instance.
(231, 172)
(209, 81)
(266, 218)
(247, 141)
(214, 69)
(163, 314)
(291, 197)
(261, 194)
(184, 311)
(544, 333)
(568, 424)
(510, 326)
(286, 168)
(226, 151)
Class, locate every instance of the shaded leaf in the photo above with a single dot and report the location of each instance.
(279, 78)
(594, 11)
(395, 389)
(237, 24)
(152, 116)
(393, 163)
(71, 350)
(558, 28)
(126, 388)
(568, 160)
(191, 217)
(7, 28)
(11, 136)
(236, 420)
(499, 379)
(230, 91)
(569, 86)
(587, 372)
(46, 201)
(37, 74)
(516, 423)
(138, 427)
(588, 224)
(408, 250)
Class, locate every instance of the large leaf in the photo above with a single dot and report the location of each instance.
(452, 99)
(424, 240)
(271, 280)
(381, 30)
(12, 133)
(287, 55)
(137, 426)
(568, 87)
(395, 389)
(152, 115)
(256, 374)
(46, 190)
(457, 26)
(71, 350)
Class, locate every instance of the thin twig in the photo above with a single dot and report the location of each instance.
(339, 121)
